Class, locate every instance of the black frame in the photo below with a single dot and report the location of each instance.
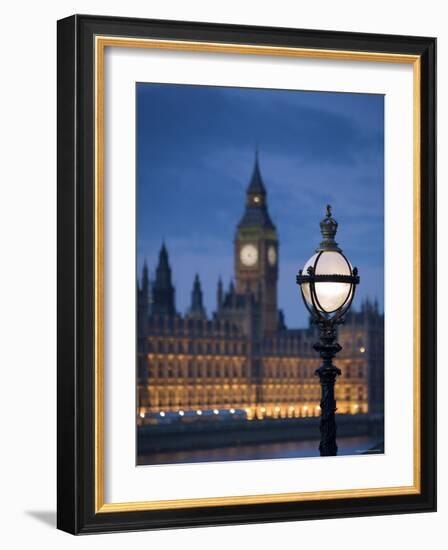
(75, 475)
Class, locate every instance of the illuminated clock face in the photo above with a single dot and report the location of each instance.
(272, 255)
(249, 255)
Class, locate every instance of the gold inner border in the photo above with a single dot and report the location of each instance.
(101, 42)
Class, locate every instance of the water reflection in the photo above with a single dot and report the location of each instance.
(284, 449)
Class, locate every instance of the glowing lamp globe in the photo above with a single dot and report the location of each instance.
(327, 280)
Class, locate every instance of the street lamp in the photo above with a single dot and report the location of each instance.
(327, 284)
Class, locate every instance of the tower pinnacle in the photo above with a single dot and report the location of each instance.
(256, 213)
(256, 185)
(163, 289)
(197, 310)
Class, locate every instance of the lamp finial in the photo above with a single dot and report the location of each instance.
(328, 228)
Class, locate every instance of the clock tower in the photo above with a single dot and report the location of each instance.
(256, 252)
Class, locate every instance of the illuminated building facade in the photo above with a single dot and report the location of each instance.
(243, 358)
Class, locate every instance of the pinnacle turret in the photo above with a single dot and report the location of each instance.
(219, 294)
(197, 310)
(163, 289)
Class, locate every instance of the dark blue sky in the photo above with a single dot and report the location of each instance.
(195, 155)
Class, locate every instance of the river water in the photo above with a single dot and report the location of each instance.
(283, 449)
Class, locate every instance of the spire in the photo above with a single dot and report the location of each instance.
(256, 212)
(163, 289)
(231, 295)
(231, 287)
(256, 185)
(219, 293)
(145, 277)
(163, 257)
(144, 287)
(143, 305)
(197, 310)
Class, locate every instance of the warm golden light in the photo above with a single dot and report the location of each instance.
(330, 295)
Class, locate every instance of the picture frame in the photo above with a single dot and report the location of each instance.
(82, 196)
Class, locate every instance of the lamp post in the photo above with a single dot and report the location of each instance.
(327, 284)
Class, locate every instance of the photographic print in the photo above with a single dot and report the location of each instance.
(236, 189)
(237, 206)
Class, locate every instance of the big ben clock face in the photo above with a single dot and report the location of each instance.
(249, 255)
(272, 255)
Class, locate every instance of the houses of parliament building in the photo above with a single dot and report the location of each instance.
(243, 359)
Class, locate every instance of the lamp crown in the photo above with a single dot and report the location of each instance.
(328, 228)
